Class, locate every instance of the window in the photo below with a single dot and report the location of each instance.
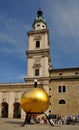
(37, 44)
(36, 72)
(49, 88)
(64, 88)
(49, 96)
(62, 101)
(49, 111)
(76, 73)
(61, 89)
(38, 25)
(60, 73)
(43, 26)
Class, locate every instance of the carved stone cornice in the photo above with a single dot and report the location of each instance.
(42, 52)
(37, 32)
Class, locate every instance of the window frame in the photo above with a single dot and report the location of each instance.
(61, 89)
(37, 44)
(37, 72)
(62, 101)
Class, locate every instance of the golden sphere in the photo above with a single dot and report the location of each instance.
(35, 100)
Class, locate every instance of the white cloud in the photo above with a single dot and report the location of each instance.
(4, 37)
(64, 24)
(13, 34)
(67, 21)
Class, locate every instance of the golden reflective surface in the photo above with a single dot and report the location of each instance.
(35, 100)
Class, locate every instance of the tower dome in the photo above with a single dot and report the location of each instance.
(39, 21)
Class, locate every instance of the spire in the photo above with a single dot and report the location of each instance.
(39, 12)
(39, 19)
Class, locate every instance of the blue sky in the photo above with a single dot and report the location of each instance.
(16, 18)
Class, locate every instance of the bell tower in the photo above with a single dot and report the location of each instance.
(38, 51)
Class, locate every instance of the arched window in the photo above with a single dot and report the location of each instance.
(4, 110)
(17, 110)
(62, 101)
(37, 44)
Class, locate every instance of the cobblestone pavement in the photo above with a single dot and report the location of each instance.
(15, 124)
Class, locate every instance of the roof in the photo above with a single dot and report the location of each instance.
(39, 18)
(65, 69)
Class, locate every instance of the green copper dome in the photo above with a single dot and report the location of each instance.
(39, 18)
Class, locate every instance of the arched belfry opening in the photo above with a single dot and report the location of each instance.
(17, 110)
(4, 109)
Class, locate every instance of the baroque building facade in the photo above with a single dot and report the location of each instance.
(62, 85)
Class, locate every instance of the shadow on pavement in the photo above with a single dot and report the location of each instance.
(14, 122)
